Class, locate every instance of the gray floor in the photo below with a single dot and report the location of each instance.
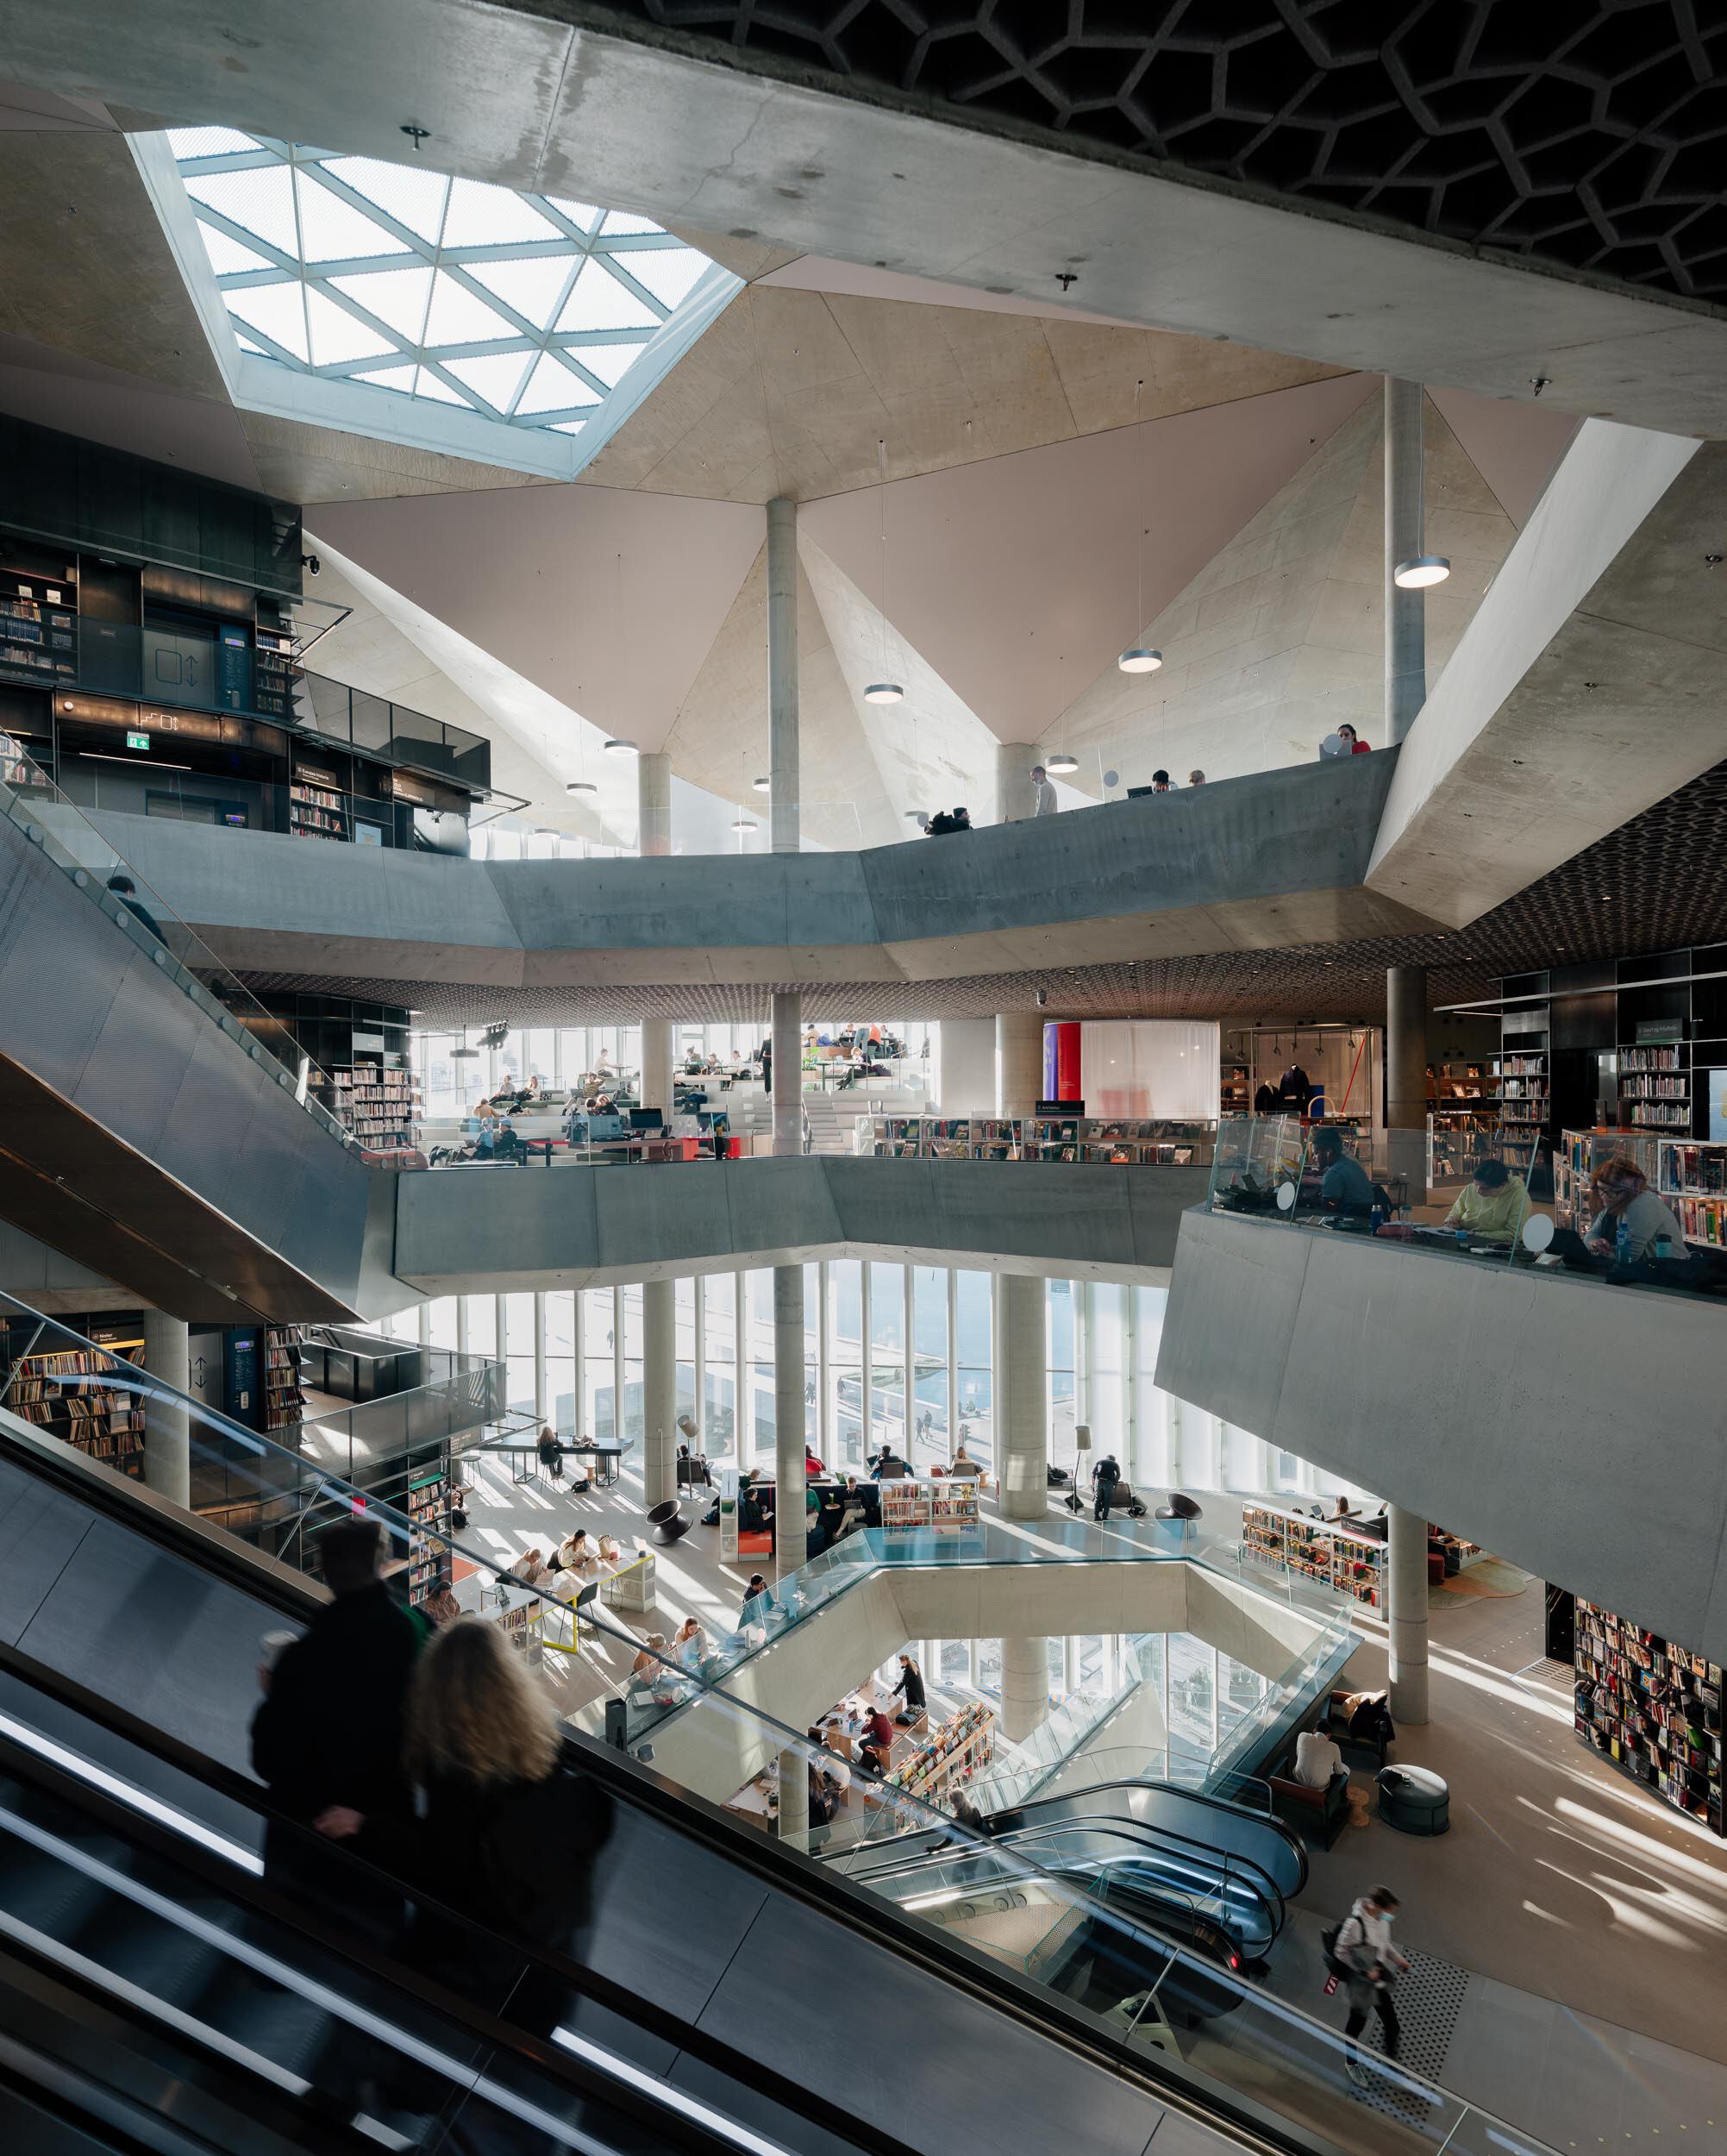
(1584, 1919)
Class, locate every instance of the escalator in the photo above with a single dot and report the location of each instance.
(1223, 1886)
(721, 1965)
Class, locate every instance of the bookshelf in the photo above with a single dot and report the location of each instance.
(1523, 1094)
(1335, 1554)
(70, 1393)
(316, 806)
(1693, 1175)
(284, 1399)
(947, 1503)
(428, 1505)
(38, 628)
(379, 1103)
(1120, 1141)
(1656, 1081)
(1575, 1160)
(949, 1757)
(1652, 1707)
(273, 673)
(1464, 1080)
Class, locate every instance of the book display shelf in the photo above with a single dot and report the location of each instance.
(378, 1103)
(284, 1400)
(70, 1393)
(428, 1506)
(1657, 1083)
(316, 807)
(38, 628)
(940, 1764)
(1335, 1554)
(1123, 1141)
(1692, 1175)
(1653, 1709)
(1575, 1160)
(273, 671)
(1523, 1094)
(947, 1503)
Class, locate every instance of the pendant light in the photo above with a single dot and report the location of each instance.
(583, 785)
(1137, 659)
(762, 786)
(1421, 571)
(1060, 764)
(885, 691)
(621, 747)
(580, 786)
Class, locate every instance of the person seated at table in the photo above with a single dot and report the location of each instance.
(551, 1453)
(750, 1516)
(575, 1553)
(688, 1645)
(1491, 1207)
(963, 1464)
(838, 1771)
(647, 1666)
(811, 1464)
(1317, 1759)
(1345, 1187)
(758, 1603)
(853, 1516)
(1634, 1232)
(875, 1745)
(693, 1468)
(531, 1567)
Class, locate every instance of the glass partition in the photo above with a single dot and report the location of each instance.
(1258, 1165)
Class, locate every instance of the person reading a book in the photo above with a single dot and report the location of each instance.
(1491, 1207)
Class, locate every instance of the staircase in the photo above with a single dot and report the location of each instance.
(830, 1118)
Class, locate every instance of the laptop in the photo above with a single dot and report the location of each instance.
(1569, 1246)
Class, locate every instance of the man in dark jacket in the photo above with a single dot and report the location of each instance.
(329, 1730)
(1104, 1477)
(127, 892)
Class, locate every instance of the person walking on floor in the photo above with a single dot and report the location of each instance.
(1043, 801)
(909, 1691)
(1364, 1947)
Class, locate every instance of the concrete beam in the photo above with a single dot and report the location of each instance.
(1258, 862)
(513, 94)
(1513, 1405)
(497, 1232)
(1588, 687)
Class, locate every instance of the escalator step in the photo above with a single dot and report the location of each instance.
(279, 2025)
(49, 1897)
(153, 1953)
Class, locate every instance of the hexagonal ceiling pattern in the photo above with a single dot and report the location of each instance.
(1584, 138)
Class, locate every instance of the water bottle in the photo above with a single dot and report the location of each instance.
(1622, 1244)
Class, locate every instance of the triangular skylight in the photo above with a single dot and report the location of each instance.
(401, 284)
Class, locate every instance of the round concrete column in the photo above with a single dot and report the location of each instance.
(1406, 1614)
(1014, 759)
(1021, 1396)
(1404, 520)
(657, 1035)
(167, 1434)
(786, 796)
(1024, 1687)
(659, 1391)
(653, 804)
(1406, 1076)
(790, 1483)
(787, 1032)
(1019, 1062)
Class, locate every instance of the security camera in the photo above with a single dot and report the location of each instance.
(1042, 998)
(311, 565)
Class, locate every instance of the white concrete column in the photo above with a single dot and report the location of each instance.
(618, 1372)
(1406, 1076)
(653, 804)
(1014, 760)
(791, 1481)
(579, 1374)
(1019, 1062)
(1404, 522)
(423, 1324)
(1406, 1614)
(461, 1325)
(785, 800)
(952, 1358)
(788, 1074)
(743, 1394)
(1021, 1396)
(168, 1432)
(657, 1089)
(793, 1818)
(825, 1446)
(659, 1391)
(543, 1403)
(1024, 1687)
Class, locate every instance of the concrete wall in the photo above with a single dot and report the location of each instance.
(1576, 1429)
(1276, 858)
(500, 1231)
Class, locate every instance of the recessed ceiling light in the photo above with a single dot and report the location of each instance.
(884, 693)
(1137, 660)
(580, 786)
(621, 747)
(1421, 571)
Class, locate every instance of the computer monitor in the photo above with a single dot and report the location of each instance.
(646, 1119)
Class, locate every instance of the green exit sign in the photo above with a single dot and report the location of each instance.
(137, 741)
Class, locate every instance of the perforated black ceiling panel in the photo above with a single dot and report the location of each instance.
(1584, 137)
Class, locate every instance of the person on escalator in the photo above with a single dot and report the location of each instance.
(329, 1730)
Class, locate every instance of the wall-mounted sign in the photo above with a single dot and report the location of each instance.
(137, 741)
(1660, 1029)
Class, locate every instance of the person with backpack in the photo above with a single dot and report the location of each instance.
(1104, 1477)
(1360, 1951)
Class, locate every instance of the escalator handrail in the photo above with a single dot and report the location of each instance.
(1265, 1887)
(1133, 1832)
(643, 2013)
(1193, 1797)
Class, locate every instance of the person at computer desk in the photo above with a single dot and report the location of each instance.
(1344, 1186)
(1492, 1208)
(1636, 1233)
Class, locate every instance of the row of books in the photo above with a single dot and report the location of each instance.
(1653, 1708)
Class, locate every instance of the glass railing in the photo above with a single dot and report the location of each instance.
(1257, 1165)
(190, 685)
(1271, 2052)
(35, 806)
(1106, 1141)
